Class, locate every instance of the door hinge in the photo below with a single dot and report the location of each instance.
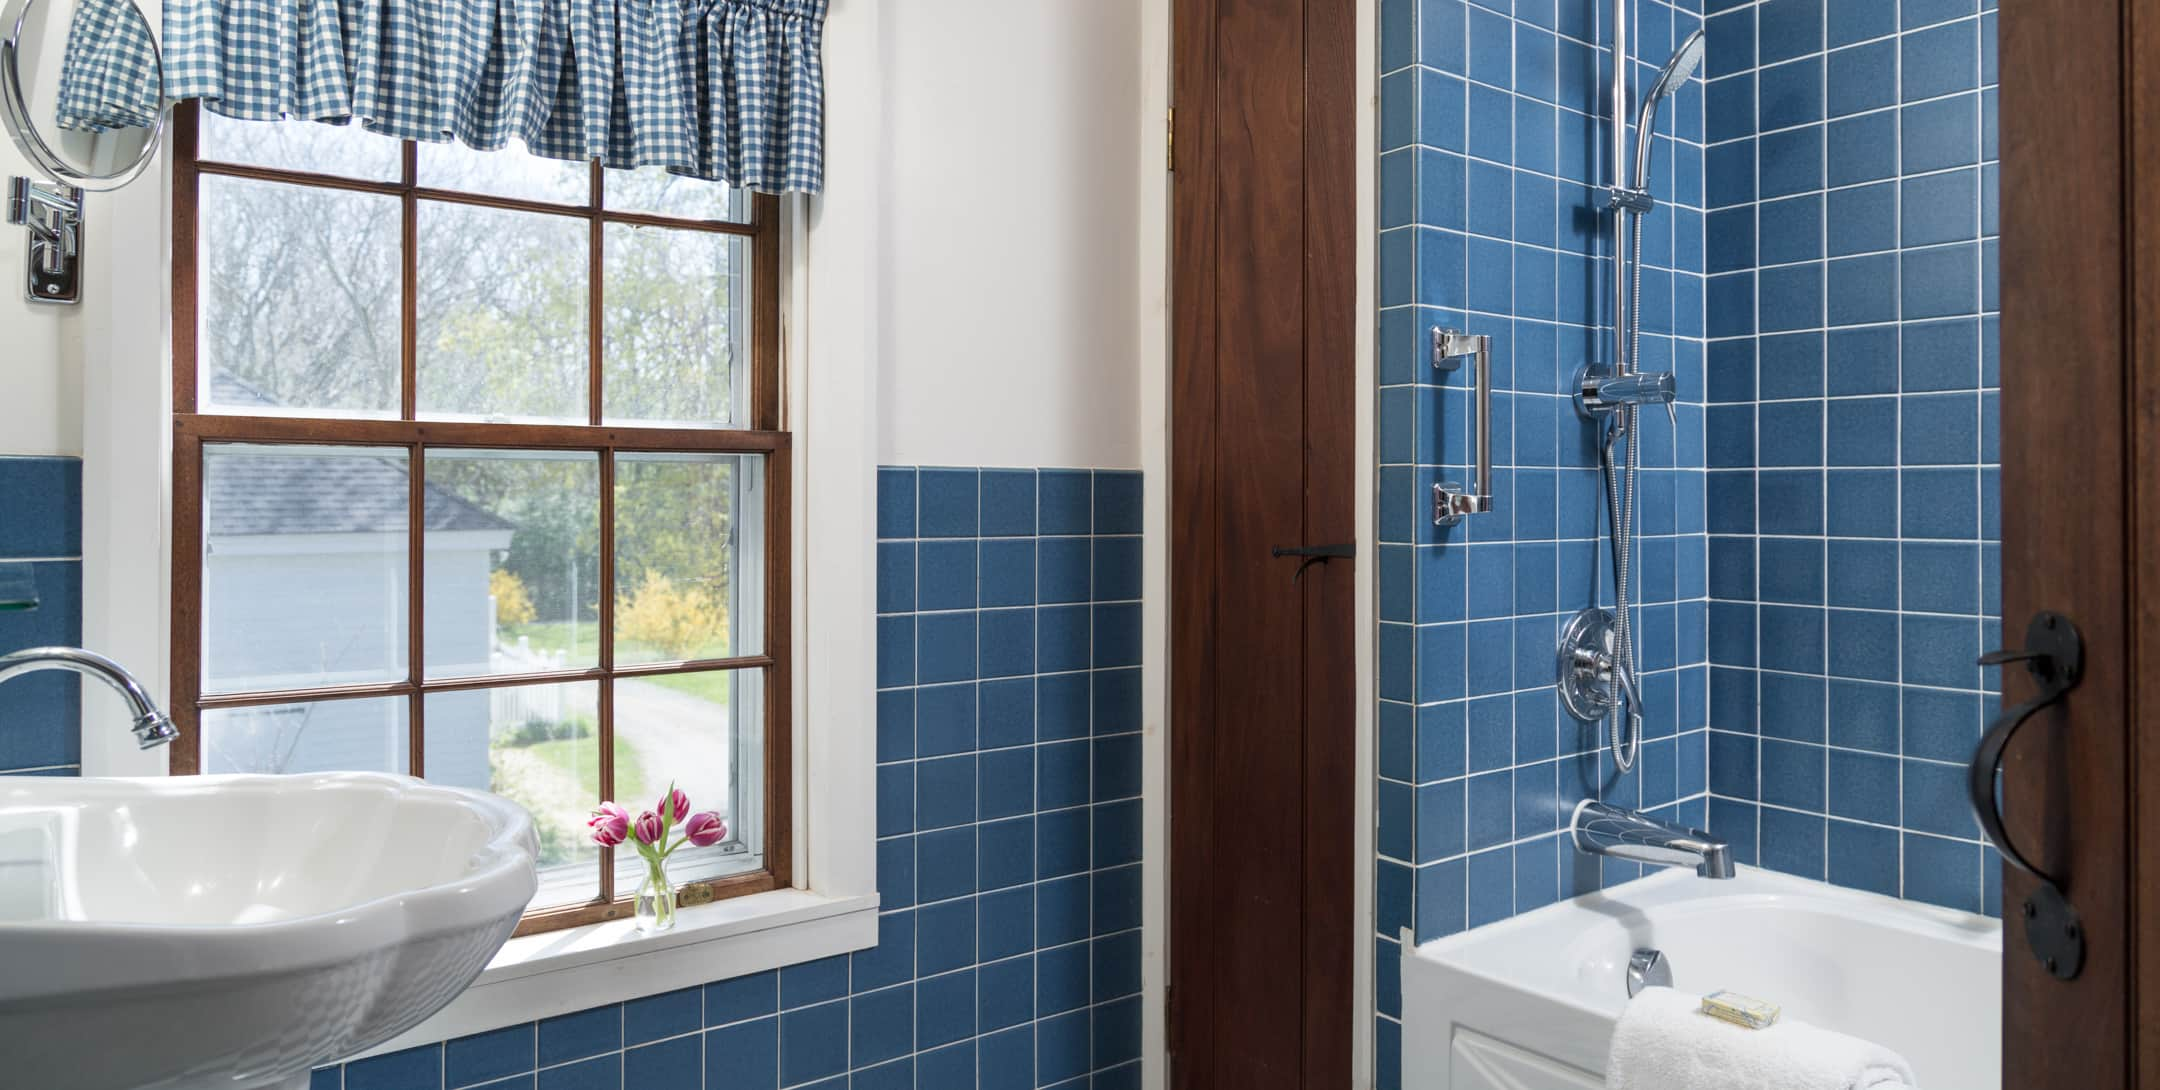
(1170, 140)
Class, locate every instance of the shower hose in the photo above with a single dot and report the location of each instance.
(1620, 467)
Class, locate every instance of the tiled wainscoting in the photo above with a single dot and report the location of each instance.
(1008, 835)
(41, 530)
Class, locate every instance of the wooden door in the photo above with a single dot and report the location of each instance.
(1263, 720)
(2080, 404)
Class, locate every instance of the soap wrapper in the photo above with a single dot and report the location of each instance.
(1740, 1010)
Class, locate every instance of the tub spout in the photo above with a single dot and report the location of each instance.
(1599, 829)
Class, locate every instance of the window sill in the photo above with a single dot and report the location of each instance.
(558, 972)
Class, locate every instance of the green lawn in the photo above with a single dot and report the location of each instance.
(567, 755)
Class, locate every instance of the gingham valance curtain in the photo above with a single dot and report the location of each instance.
(730, 90)
(108, 74)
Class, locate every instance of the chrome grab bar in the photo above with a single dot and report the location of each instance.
(1452, 501)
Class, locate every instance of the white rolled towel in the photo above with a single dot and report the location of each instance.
(1665, 1042)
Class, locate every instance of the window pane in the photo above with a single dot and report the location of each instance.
(303, 567)
(704, 733)
(513, 562)
(503, 304)
(538, 746)
(675, 328)
(345, 150)
(508, 172)
(685, 587)
(299, 296)
(654, 191)
(323, 736)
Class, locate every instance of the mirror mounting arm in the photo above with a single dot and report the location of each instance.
(53, 214)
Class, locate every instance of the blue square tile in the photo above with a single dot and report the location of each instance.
(1062, 843)
(1862, 431)
(1007, 568)
(891, 961)
(949, 499)
(1941, 355)
(1863, 290)
(1440, 822)
(745, 1056)
(1118, 507)
(1061, 909)
(1006, 711)
(1864, 857)
(895, 502)
(1491, 48)
(813, 1043)
(1491, 121)
(1063, 569)
(945, 647)
(598, 1073)
(1067, 498)
(1008, 642)
(1793, 843)
(1063, 638)
(573, 1036)
(742, 998)
(945, 792)
(1441, 908)
(1792, 161)
(1791, 94)
(945, 936)
(485, 1057)
(946, 575)
(1008, 502)
(1862, 220)
(411, 1069)
(1942, 872)
(1792, 229)
(1940, 282)
(1940, 134)
(1789, 28)
(1862, 78)
(945, 864)
(1940, 60)
(1861, 149)
(881, 1027)
(1941, 208)
(1006, 922)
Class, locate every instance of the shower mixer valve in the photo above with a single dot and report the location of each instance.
(1598, 391)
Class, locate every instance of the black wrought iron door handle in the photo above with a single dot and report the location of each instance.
(2054, 654)
(1313, 554)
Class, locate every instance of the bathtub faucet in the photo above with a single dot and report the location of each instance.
(1600, 829)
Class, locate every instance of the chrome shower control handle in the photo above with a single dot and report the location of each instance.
(1451, 501)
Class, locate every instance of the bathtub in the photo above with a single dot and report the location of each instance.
(1529, 1003)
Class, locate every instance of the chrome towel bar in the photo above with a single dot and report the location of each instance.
(1451, 501)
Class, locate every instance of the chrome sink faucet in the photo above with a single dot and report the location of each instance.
(152, 726)
(1600, 829)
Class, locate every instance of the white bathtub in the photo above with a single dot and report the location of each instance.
(1529, 1003)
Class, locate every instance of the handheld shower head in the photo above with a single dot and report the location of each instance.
(1676, 72)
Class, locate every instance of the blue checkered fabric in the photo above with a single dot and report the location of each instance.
(727, 90)
(109, 73)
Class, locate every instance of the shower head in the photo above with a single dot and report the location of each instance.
(1679, 68)
(1676, 72)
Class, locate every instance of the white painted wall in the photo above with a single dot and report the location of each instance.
(40, 348)
(1010, 332)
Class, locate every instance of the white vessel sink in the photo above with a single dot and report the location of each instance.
(235, 931)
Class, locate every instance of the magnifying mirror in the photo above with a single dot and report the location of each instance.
(82, 92)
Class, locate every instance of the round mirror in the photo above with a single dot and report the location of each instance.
(82, 88)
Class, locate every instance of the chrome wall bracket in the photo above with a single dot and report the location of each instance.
(54, 215)
(1451, 501)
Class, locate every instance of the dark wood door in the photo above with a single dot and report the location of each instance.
(2080, 103)
(1263, 736)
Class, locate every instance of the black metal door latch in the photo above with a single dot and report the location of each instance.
(2055, 656)
(1313, 554)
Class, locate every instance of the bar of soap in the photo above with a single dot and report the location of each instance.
(1740, 1010)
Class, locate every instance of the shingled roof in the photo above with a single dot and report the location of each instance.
(282, 493)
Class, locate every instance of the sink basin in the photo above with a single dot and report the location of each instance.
(235, 931)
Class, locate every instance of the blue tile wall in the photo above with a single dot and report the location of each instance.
(41, 529)
(1492, 138)
(1854, 556)
(1009, 835)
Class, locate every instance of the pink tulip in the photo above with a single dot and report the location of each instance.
(648, 828)
(609, 824)
(705, 829)
(675, 807)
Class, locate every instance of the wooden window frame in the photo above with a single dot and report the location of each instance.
(765, 436)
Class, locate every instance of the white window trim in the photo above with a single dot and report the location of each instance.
(829, 403)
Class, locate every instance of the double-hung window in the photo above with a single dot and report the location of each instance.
(478, 475)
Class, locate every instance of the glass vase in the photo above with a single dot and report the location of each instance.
(655, 901)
